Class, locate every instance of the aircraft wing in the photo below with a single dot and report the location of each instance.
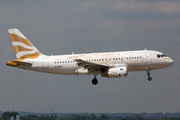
(90, 65)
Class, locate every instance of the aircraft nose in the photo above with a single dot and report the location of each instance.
(170, 61)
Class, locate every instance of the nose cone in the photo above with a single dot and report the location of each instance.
(169, 61)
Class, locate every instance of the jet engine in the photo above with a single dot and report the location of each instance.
(114, 72)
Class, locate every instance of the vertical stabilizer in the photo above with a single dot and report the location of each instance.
(23, 48)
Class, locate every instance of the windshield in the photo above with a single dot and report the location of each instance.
(160, 56)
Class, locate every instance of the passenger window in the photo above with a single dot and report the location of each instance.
(102, 59)
(121, 58)
(113, 58)
(55, 62)
(99, 59)
(140, 57)
(105, 59)
(116, 58)
(94, 59)
(132, 57)
(129, 57)
(137, 57)
(109, 58)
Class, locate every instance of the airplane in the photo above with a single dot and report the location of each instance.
(107, 64)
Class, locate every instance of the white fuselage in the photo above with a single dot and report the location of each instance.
(141, 60)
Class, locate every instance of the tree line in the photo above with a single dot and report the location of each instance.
(7, 115)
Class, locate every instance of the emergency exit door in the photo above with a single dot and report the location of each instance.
(45, 63)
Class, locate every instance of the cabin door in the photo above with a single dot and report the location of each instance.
(148, 57)
(45, 63)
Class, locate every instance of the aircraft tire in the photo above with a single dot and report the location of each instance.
(149, 78)
(94, 81)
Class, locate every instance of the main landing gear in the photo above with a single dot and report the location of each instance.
(148, 73)
(95, 81)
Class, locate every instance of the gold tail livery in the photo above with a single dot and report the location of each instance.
(107, 64)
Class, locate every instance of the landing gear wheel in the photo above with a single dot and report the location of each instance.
(149, 78)
(94, 81)
(148, 73)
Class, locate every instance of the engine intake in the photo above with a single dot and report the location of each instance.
(115, 72)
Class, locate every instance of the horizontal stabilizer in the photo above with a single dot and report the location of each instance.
(15, 63)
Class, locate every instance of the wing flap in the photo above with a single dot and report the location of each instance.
(90, 65)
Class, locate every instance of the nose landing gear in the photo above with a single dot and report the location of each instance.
(148, 73)
(149, 78)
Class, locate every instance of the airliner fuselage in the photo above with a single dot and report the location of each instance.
(134, 60)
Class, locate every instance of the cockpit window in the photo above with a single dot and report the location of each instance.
(160, 56)
(163, 55)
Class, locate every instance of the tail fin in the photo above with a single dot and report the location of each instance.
(23, 48)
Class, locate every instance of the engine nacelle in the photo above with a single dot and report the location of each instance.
(115, 72)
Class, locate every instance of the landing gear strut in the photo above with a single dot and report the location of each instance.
(148, 73)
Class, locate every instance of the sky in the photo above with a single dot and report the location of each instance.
(83, 26)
